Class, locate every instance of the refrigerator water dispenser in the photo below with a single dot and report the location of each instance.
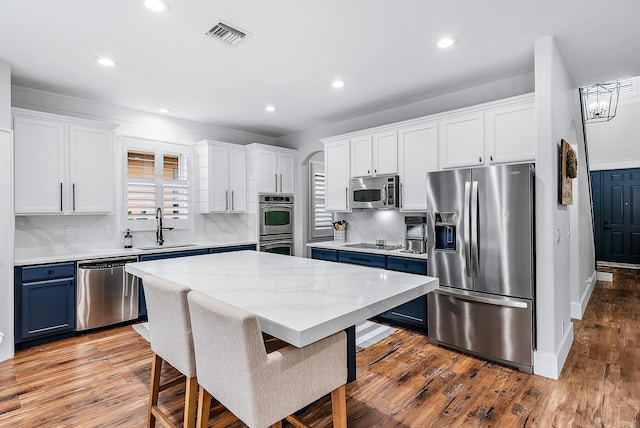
(445, 226)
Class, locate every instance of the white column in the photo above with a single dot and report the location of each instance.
(6, 214)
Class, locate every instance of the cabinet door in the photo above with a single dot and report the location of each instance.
(510, 134)
(237, 181)
(337, 177)
(218, 179)
(285, 173)
(267, 172)
(418, 154)
(39, 150)
(385, 153)
(90, 170)
(361, 156)
(47, 307)
(462, 141)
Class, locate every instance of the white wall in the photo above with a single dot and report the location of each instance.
(6, 214)
(309, 141)
(582, 261)
(43, 235)
(558, 117)
(616, 143)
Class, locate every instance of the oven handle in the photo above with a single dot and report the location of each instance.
(272, 243)
(277, 206)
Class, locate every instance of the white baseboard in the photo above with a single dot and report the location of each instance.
(605, 276)
(578, 308)
(550, 365)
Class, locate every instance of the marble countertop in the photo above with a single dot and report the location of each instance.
(99, 253)
(333, 245)
(298, 300)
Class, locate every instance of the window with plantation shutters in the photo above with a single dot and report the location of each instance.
(321, 221)
(141, 185)
(157, 175)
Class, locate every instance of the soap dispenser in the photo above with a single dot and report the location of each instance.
(128, 240)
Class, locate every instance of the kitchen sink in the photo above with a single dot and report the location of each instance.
(160, 247)
(366, 245)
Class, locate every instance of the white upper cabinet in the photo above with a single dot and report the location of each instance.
(90, 169)
(62, 165)
(221, 177)
(462, 141)
(375, 154)
(274, 168)
(337, 177)
(510, 133)
(361, 156)
(417, 155)
(497, 132)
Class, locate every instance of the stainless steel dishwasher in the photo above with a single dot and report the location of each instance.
(106, 294)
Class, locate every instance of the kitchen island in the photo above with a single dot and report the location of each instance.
(297, 300)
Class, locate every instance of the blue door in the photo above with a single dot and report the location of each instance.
(621, 215)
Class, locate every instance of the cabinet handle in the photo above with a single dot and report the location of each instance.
(276, 177)
(368, 172)
(60, 197)
(73, 186)
(232, 198)
(491, 158)
(346, 198)
(480, 159)
(375, 171)
(280, 183)
(226, 199)
(401, 195)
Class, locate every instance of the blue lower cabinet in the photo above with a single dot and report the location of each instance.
(413, 313)
(45, 302)
(324, 254)
(362, 259)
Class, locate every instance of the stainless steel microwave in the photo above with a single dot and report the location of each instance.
(375, 192)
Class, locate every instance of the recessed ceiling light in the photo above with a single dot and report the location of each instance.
(337, 84)
(164, 110)
(446, 42)
(107, 62)
(270, 108)
(157, 5)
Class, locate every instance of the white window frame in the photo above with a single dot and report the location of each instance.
(315, 233)
(159, 149)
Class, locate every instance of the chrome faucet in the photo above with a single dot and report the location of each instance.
(159, 228)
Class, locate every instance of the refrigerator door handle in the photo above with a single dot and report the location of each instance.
(465, 235)
(487, 300)
(475, 256)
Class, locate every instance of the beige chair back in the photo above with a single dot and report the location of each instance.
(259, 388)
(169, 323)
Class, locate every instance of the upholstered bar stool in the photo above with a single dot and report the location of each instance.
(259, 388)
(171, 342)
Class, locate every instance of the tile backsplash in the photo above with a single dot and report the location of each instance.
(47, 235)
(369, 225)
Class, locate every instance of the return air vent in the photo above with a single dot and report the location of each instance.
(227, 33)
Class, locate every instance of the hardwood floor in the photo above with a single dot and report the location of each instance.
(102, 380)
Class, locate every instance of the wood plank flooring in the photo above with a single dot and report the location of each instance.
(102, 380)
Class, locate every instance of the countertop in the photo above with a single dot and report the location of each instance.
(333, 245)
(298, 300)
(99, 253)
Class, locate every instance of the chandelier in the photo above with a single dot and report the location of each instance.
(600, 101)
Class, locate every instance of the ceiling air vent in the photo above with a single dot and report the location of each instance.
(227, 33)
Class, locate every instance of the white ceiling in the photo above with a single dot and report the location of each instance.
(384, 50)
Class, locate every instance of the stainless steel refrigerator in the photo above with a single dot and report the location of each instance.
(480, 243)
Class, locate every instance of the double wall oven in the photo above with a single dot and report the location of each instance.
(276, 224)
